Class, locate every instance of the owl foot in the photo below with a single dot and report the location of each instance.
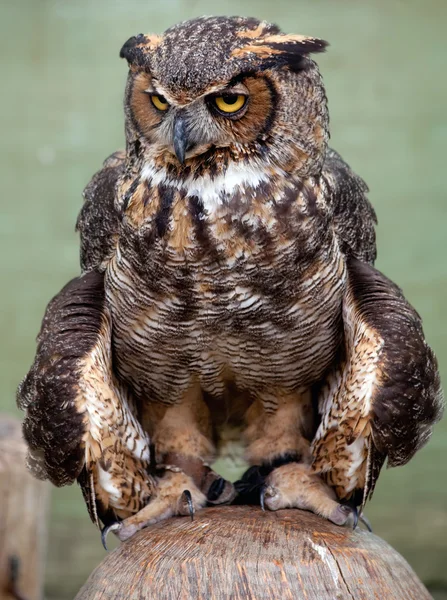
(294, 486)
(176, 494)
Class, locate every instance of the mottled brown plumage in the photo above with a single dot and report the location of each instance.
(228, 282)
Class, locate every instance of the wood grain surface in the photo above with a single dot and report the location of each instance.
(242, 553)
(23, 524)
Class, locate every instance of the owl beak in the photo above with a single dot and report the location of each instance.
(180, 138)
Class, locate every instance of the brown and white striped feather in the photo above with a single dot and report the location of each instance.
(115, 443)
(342, 444)
(208, 298)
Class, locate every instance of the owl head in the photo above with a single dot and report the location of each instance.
(216, 90)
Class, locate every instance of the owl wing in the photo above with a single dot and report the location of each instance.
(353, 216)
(80, 420)
(99, 219)
(383, 396)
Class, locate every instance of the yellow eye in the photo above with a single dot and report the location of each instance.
(230, 103)
(159, 102)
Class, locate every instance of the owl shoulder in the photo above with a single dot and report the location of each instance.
(353, 216)
(99, 219)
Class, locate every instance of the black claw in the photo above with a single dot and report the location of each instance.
(262, 498)
(365, 522)
(215, 489)
(357, 516)
(188, 498)
(249, 486)
(105, 532)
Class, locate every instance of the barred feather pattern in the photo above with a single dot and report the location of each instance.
(342, 443)
(116, 446)
(381, 399)
(247, 287)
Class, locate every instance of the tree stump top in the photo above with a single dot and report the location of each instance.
(23, 508)
(239, 552)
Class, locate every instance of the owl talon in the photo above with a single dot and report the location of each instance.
(365, 522)
(355, 515)
(187, 498)
(266, 491)
(215, 489)
(105, 532)
(220, 491)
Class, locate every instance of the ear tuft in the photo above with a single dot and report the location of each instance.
(281, 49)
(301, 44)
(137, 48)
(128, 48)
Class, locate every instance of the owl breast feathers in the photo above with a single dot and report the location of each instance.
(227, 293)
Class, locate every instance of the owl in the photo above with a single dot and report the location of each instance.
(227, 292)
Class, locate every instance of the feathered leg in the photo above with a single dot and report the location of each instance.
(380, 400)
(280, 426)
(182, 438)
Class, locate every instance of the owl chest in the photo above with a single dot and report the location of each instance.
(255, 320)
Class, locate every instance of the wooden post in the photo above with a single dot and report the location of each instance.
(23, 509)
(242, 553)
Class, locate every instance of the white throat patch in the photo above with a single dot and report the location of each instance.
(212, 191)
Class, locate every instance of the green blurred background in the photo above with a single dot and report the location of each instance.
(61, 115)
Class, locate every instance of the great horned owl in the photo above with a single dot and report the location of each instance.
(227, 281)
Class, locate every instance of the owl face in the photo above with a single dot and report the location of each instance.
(228, 115)
(215, 90)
